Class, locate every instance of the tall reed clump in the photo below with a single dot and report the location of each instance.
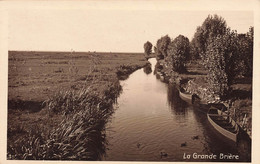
(80, 135)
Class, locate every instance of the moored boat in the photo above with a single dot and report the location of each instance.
(185, 96)
(190, 98)
(223, 123)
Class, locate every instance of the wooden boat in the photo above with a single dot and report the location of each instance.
(224, 124)
(185, 96)
(189, 97)
(160, 75)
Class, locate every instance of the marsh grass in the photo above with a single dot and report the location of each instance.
(123, 71)
(81, 133)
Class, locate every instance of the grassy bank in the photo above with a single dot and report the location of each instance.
(59, 103)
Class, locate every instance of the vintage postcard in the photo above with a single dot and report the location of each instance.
(129, 81)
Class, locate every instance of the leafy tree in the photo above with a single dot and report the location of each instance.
(220, 57)
(211, 27)
(248, 57)
(218, 80)
(227, 56)
(148, 48)
(240, 68)
(178, 53)
(194, 52)
(157, 53)
(244, 54)
(162, 45)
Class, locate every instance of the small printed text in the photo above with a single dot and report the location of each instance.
(221, 156)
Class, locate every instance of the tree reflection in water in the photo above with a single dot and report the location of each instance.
(147, 69)
(177, 105)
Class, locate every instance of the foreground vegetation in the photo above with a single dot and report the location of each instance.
(59, 103)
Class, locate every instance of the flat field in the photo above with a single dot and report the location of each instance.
(33, 77)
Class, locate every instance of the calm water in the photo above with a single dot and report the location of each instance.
(151, 121)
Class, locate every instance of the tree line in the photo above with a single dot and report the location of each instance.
(222, 51)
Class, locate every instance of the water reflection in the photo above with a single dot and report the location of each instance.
(157, 68)
(178, 107)
(147, 69)
(152, 120)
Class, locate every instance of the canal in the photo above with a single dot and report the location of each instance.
(151, 123)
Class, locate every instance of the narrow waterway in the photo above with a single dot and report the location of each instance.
(151, 123)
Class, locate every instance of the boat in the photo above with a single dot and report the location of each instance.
(185, 96)
(188, 97)
(223, 123)
(160, 75)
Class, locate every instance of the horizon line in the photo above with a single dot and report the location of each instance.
(69, 51)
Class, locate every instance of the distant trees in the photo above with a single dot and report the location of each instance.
(178, 52)
(175, 52)
(162, 46)
(148, 48)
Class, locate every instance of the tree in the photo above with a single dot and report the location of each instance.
(248, 57)
(210, 28)
(243, 63)
(178, 52)
(228, 56)
(148, 48)
(194, 52)
(157, 53)
(220, 57)
(162, 46)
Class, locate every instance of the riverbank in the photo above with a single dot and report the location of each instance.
(61, 101)
(239, 102)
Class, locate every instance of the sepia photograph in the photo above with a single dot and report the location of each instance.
(130, 82)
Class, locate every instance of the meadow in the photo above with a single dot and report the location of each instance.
(59, 102)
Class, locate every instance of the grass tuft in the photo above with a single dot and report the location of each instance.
(80, 135)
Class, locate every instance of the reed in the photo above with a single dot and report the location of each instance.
(80, 135)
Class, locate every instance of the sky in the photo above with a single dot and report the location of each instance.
(108, 30)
